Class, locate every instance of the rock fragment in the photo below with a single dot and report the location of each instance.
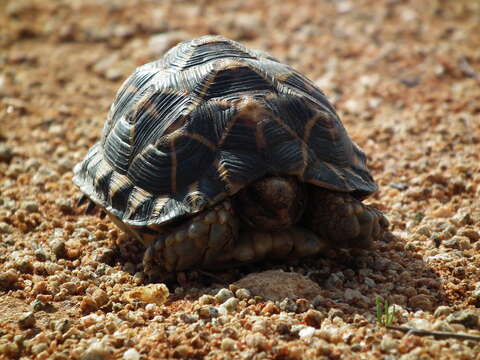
(150, 294)
(278, 285)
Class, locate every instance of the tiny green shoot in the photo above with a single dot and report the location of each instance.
(384, 313)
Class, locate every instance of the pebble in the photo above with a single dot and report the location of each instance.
(369, 282)
(330, 333)
(424, 230)
(243, 294)
(31, 206)
(335, 281)
(423, 302)
(64, 165)
(302, 305)
(24, 265)
(464, 317)
(38, 305)
(207, 312)
(38, 348)
(318, 301)
(228, 344)
(6, 153)
(270, 308)
(257, 340)
(40, 254)
(441, 326)
(206, 300)
(451, 243)
(475, 294)
(5, 228)
(189, 318)
(472, 234)
(333, 313)
(9, 350)
(244, 26)
(262, 326)
(388, 344)
(223, 295)
(230, 304)
(306, 333)
(182, 351)
(97, 351)
(131, 354)
(106, 63)
(277, 285)
(442, 310)
(353, 294)
(288, 305)
(158, 44)
(40, 287)
(62, 325)
(88, 305)
(58, 247)
(314, 318)
(114, 73)
(27, 320)
(64, 205)
(8, 279)
(100, 297)
(152, 293)
(418, 323)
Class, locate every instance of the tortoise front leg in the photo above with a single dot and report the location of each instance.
(344, 221)
(197, 243)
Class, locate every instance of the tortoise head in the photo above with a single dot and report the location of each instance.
(271, 203)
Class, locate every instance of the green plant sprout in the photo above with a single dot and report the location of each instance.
(385, 314)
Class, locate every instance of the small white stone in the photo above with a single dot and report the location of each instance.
(420, 324)
(223, 295)
(307, 332)
(97, 351)
(150, 307)
(91, 319)
(222, 310)
(231, 304)
(131, 354)
(388, 344)
(228, 344)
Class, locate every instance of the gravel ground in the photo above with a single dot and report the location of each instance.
(405, 78)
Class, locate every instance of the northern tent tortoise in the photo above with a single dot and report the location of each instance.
(216, 155)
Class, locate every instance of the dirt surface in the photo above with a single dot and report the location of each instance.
(405, 78)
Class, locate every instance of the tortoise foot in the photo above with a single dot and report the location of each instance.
(195, 243)
(344, 221)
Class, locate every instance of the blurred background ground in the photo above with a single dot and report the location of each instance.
(404, 76)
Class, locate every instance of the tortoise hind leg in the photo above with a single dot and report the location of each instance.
(343, 220)
(198, 242)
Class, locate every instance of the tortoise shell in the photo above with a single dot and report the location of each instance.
(204, 121)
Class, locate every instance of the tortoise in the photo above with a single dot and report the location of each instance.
(216, 155)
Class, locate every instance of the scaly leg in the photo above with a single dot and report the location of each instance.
(343, 220)
(196, 243)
